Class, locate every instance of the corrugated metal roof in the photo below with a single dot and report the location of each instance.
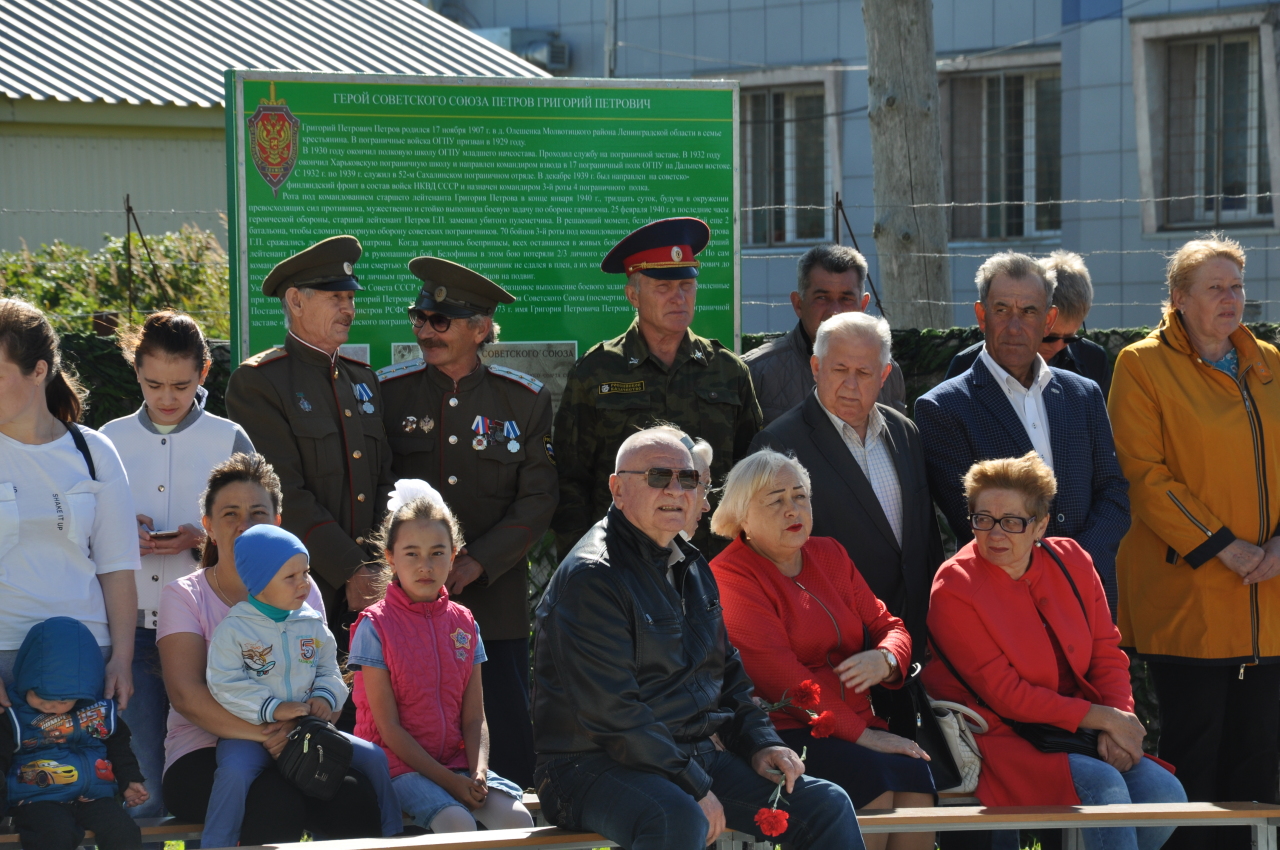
(165, 52)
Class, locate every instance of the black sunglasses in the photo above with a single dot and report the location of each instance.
(438, 321)
(1067, 338)
(1011, 524)
(660, 476)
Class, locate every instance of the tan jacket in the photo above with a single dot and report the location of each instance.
(300, 408)
(1200, 453)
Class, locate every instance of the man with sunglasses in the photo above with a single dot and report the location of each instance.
(1062, 347)
(1010, 402)
(637, 682)
(658, 371)
(481, 435)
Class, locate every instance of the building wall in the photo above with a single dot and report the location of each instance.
(73, 164)
(682, 38)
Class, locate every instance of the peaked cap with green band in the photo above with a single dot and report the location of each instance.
(454, 290)
(326, 266)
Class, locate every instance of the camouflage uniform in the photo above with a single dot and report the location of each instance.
(618, 388)
(300, 408)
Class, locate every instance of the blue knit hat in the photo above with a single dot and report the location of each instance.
(260, 553)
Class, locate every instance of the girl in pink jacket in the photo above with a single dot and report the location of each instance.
(417, 659)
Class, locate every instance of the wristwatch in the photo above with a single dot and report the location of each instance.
(890, 660)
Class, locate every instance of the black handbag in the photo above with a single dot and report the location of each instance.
(315, 758)
(1045, 737)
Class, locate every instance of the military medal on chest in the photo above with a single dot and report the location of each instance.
(511, 431)
(365, 396)
(481, 428)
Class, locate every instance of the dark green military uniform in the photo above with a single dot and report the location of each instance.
(504, 499)
(618, 388)
(318, 419)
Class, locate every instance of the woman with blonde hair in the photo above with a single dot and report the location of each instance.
(797, 609)
(1194, 407)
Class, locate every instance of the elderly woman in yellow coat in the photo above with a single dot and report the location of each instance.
(1196, 412)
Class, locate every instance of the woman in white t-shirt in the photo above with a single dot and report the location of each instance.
(168, 447)
(68, 545)
(243, 492)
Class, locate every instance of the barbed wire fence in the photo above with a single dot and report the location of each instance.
(964, 250)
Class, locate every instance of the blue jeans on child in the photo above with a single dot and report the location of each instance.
(1099, 784)
(147, 716)
(241, 762)
(422, 799)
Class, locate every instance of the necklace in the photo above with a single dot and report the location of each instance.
(217, 586)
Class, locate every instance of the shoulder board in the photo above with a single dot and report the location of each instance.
(399, 370)
(528, 381)
(265, 357)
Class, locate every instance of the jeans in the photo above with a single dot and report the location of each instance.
(422, 799)
(644, 811)
(241, 762)
(147, 716)
(1100, 784)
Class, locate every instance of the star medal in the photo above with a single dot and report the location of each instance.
(635, 361)
(364, 394)
(426, 423)
(303, 403)
(698, 355)
(481, 427)
(409, 424)
(510, 430)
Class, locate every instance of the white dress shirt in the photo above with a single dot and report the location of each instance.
(1027, 402)
(876, 461)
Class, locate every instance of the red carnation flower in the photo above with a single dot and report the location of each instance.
(806, 695)
(771, 822)
(823, 726)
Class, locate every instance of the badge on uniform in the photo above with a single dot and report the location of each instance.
(510, 430)
(365, 395)
(409, 424)
(699, 356)
(303, 403)
(481, 427)
(551, 452)
(426, 423)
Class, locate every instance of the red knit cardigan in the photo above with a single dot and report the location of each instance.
(785, 636)
(988, 626)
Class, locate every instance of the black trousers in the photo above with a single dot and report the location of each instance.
(61, 826)
(1219, 730)
(275, 812)
(506, 708)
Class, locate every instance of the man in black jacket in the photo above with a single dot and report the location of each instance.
(643, 719)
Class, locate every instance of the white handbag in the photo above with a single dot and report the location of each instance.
(959, 724)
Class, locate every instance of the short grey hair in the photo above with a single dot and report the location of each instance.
(476, 320)
(1016, 266)
(747, 478)
(1072, 286)
(703, 454)
(854, 326)
(834, 259)
(307, 292)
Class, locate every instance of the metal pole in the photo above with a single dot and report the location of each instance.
(610, 37)
(128, 253)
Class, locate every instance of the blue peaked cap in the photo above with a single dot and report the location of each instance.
(260, 553)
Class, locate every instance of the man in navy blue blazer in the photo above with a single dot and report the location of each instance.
(1010, 402)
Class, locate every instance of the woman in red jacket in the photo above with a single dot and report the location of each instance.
(797, 609)
(1035, 641)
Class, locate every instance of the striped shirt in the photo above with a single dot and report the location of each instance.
(876, 462)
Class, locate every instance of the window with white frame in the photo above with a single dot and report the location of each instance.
(785, 174)
(1217, 171)
(1004, 151)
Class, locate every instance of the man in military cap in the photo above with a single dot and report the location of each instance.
(317, 417)
(481, 436)
(657, 372)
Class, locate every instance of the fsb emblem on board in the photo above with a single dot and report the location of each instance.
(273, 141)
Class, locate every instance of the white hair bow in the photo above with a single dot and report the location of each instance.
(408, 489)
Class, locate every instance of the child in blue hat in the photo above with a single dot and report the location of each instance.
(63, 750)
(273, 659)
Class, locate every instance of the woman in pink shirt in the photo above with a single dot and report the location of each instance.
(243, 492)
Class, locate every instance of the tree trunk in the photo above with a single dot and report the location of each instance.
(906, 153)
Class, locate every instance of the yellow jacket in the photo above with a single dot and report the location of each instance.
(1202, 455)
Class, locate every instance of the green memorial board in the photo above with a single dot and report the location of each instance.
(528, 181)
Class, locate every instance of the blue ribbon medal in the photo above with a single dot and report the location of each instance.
(364, 394)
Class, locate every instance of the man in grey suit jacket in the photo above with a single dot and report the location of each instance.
(829, 282)
(866, 465)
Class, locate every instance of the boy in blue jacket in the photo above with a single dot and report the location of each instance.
(63, 749)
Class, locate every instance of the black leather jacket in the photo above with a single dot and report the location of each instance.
(628, 665)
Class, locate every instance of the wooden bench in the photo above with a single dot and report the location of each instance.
(153, 830)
